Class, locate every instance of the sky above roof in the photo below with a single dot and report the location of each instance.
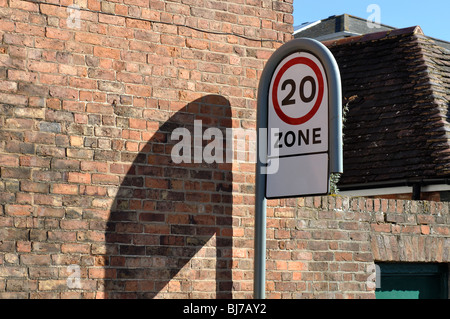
(431, 15)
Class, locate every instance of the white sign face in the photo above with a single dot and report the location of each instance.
(298, 127)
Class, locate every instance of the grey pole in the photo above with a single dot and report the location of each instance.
(259, 281)
(335, 139)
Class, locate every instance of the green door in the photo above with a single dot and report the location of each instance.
(412, 281)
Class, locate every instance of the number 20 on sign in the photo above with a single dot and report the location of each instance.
(298, 110)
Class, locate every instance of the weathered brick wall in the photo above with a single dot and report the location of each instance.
(90, 93)
(93, 205)
(326, 247)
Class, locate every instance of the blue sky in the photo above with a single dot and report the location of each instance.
(433, 16)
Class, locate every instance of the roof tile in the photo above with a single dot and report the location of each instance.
(396, 85)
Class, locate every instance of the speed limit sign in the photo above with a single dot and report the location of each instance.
(298, 89)
(297, 105)
(299, 123)
(298, 116)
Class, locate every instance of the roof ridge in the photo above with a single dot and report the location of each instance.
(374, 36)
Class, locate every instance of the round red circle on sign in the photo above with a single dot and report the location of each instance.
(315, 108)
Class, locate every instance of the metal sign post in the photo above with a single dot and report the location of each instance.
(299, 123)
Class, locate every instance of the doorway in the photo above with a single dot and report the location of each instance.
(412, 281)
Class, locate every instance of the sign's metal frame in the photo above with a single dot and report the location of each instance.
(335, 138)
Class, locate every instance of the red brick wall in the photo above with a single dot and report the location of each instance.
(93, 205)
(89, 97)
(326, 247)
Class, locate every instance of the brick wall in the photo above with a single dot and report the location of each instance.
(325, 247)
(93, 205)
(90, 93)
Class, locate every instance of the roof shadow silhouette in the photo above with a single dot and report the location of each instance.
(164, 213)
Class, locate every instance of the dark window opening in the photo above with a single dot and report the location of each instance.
(412, 281)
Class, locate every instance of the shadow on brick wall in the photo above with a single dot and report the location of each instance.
(165, 213)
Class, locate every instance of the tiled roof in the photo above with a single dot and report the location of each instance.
(397, 88)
